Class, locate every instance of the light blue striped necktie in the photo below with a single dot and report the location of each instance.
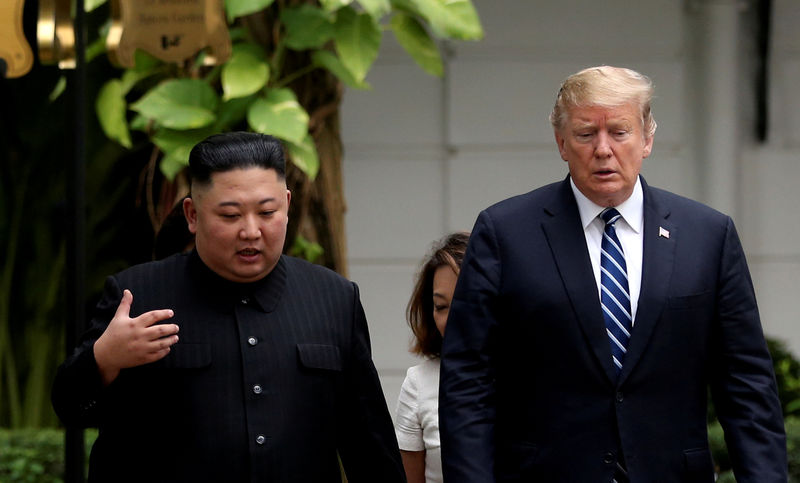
(614, 295)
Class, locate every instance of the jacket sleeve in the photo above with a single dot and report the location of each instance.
(743, 382)
(366, 439)
(467, 405)
(77, 394)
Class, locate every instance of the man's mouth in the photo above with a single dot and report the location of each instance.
(249, 252)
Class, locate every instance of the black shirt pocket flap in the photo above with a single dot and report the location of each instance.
(320, 356)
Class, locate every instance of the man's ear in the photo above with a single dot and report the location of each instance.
(648, 147)
(190, 212)
(288, 199)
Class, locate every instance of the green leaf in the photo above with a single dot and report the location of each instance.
(176, 146)
(232, 112)
(328, 60)
(144, 61)
(306, 249)
(111, 108)
(131, 77)
(376, 8)
(455, 19)
(358, 38)
(89, 5)
(140, 123)
(280, 115)
(243, 74)
(238, 8)
(95, 49)
(415, 39)
(304, 156)
(307, 27)
(58, 89)
(333, 5)
(179, 104)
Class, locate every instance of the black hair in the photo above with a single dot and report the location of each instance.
(235, 150)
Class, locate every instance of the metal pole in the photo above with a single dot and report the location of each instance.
(76, 236)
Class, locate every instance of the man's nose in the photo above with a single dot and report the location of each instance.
(602, 148)
(250, 229)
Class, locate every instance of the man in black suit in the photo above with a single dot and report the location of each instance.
(270, 378)
(592, 315)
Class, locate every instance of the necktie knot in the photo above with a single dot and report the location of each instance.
(610, 216)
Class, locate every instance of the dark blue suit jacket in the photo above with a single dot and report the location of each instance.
(528, 391)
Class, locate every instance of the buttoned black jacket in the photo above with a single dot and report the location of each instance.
(269, 382)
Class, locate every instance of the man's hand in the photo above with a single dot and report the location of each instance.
(129, 342)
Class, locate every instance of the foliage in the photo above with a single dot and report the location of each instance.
(787, 376)
(723, 461)
(34, 456)
(289, 64)
(181, 105)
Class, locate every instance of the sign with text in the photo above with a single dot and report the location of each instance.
(170, 30)
(15, 52)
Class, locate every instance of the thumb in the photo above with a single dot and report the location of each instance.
(124, 308)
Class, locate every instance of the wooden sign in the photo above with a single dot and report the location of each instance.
(170, 30)
(14, 48)
(55, 33)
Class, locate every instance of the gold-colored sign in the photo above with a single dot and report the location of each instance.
(14, 48)
(170, 30)
(55, 33)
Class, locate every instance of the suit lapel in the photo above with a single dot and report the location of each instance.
(660, 237)
(564, 234)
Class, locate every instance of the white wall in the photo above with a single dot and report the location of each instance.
(423, 155)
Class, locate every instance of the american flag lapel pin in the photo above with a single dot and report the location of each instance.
(663, 232)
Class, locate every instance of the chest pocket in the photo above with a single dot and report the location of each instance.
(188, 356)
(320, 356)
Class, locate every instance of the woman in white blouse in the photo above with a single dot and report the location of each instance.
(417, 421)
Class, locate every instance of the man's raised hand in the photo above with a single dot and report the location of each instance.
(130, 342)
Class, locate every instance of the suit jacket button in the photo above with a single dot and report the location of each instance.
(260, 439)
(252, 341)
(608, 458)
(257, 389)
(620, 397)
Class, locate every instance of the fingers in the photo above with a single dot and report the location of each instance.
(124, 308)
(149, 318)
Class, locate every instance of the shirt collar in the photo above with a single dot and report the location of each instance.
(632, 209)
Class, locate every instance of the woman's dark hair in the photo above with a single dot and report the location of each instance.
(235, 150)
(449, 251)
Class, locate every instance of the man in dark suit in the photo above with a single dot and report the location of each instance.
(270, 378)
(592, 315)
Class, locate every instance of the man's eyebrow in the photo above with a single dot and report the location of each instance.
(236, 203)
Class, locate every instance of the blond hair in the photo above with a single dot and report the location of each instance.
(605, 86)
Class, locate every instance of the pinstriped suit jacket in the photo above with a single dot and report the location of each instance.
(268, 383)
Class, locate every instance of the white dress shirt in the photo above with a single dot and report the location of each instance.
(629, 231)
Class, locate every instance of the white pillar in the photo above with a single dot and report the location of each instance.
(719, 148)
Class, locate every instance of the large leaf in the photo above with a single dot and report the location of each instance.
(243, 74)
(232, 112)
(179, 104)
(238, 8)
(455, 19)
(280, 115)
(111, 108)
(307, 27)
(415, 39)
(333, 5)
(176, 146)
(304, 156)
(358, 38)
(89, 5)
(376, 8)
(328, 60)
